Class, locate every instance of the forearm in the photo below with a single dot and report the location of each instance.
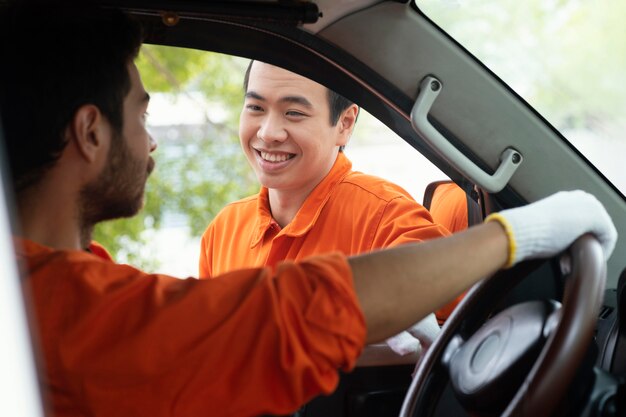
(400, 286)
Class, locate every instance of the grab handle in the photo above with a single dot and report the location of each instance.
(510, 159)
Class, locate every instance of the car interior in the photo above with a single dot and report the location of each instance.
(564, 319)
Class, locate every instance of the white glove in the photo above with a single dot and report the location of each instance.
(426, 330)
(403, 344)
(417, 338)
(548, 226)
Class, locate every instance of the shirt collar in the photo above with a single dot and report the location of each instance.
(311, 208)
(25, 247)
(264, 218)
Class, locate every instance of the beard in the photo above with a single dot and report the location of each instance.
(118, 191)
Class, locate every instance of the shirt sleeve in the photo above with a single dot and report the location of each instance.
(449, 207)
(121, 342)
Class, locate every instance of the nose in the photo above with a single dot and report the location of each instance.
(153, 143)
(272, 129)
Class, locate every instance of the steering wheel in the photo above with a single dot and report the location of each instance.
(520, 361)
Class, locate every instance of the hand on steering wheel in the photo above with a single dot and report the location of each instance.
(540, 342)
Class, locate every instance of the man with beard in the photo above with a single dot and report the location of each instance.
(117, 341)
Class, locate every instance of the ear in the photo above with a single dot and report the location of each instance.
(89, 130)
(346, 123)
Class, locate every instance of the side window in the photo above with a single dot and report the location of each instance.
(377, 150)
(196, 99)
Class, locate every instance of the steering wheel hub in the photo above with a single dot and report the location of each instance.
(486, 370)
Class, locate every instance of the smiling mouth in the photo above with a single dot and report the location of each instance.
(275, 157)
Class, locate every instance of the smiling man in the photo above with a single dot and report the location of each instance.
(291, 135)
(293, 131)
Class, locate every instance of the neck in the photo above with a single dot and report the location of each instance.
(285, 205)
(49, 217)
(85, 235)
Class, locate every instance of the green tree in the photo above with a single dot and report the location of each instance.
(199, 168)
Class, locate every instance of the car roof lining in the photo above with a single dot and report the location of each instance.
(288, 13)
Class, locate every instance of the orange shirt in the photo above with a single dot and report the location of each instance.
(115, 341)
(99, 250)
(348, 212)
(449, 208)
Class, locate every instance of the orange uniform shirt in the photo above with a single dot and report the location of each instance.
(348, 212)
(99, 250)
(449, 208)
(115, 341)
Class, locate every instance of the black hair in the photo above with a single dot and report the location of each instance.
(57, 58)
(336, 102)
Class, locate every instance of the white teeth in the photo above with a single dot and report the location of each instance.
(273, 157)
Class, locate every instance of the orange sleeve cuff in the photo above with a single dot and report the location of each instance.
(334, 309)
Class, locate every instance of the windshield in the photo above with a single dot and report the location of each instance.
(567, 58)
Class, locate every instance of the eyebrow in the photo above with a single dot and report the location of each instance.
(287, 99)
